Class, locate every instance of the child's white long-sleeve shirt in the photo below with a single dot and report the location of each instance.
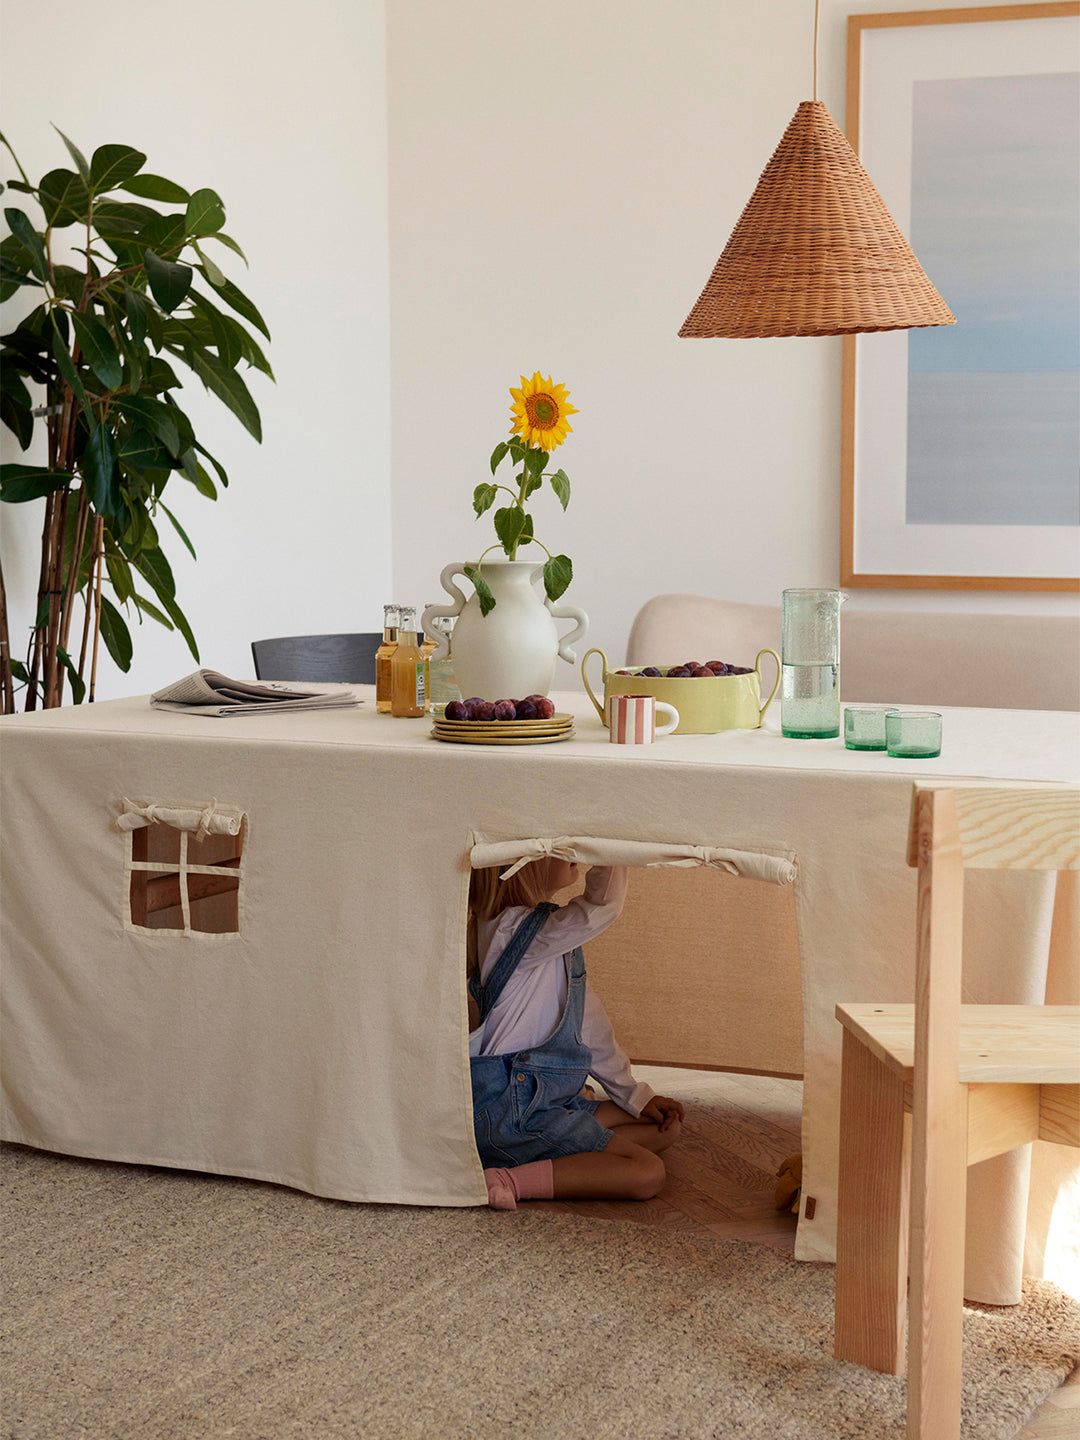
(531, 1004)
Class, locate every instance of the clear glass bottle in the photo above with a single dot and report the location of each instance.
(384, 654)
(442, 686)
(408, 670)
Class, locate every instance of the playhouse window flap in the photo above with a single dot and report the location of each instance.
(208, 818)
(778, 869)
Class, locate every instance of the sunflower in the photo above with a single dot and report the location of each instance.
(540, 410)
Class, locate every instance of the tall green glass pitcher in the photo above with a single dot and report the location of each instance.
(810, 683)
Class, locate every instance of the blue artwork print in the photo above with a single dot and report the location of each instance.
(994, 401)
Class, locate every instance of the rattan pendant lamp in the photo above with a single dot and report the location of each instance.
(815, 252)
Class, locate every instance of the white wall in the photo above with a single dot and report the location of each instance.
(562, 179)
(281, 108)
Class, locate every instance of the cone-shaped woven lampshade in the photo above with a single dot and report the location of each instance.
(816, 251)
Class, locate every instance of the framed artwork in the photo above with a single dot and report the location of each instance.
(961, 443)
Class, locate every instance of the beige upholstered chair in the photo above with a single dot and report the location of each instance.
(979, 1080)
(1020, 662)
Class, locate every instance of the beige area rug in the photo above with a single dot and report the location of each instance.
(150, 1304)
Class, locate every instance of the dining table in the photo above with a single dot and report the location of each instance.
(315, 1034)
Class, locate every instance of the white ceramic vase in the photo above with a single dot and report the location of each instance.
(510, 652)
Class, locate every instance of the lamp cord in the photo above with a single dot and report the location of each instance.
(817, 11)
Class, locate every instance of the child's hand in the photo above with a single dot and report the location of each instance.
(663, 1111)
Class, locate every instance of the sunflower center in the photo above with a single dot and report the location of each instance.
(541, 410)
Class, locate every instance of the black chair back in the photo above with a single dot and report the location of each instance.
(339, 659)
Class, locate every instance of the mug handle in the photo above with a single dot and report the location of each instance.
(776, 682)
(588, 687)
(667, 728)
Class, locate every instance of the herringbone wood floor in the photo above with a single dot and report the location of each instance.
(721, 1177)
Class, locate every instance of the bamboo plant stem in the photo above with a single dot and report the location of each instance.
(7, 688)
(99, 546)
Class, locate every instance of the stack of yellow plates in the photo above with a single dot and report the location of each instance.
(504, 732)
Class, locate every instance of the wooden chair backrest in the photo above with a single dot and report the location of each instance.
(998, 828)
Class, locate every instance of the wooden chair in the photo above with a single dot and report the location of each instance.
(979, 1080)
(337, 659)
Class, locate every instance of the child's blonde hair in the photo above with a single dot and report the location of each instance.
(489, 896)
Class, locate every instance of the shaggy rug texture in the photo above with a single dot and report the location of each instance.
(148, 1304)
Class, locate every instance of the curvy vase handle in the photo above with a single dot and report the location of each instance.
(431, 612)
(776, 682)
(569, 612)
(603, 677)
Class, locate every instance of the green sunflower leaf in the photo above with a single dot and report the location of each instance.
(509, 526)
(498, 455)
(483, 498)
(560, 483)
(483, 590)
(558, 572)
(535, 461)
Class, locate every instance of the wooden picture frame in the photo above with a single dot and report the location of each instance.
(929, 494)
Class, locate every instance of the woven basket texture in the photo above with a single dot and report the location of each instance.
(815, 252)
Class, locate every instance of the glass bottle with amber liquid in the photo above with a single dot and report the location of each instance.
(383, 655)
(408, 670)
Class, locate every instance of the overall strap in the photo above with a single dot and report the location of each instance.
(487, 994)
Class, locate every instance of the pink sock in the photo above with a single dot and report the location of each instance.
(534, 1181)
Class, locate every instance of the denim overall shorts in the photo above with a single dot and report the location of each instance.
(528, 1105)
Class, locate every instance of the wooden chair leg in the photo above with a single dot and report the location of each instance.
(872, 1213)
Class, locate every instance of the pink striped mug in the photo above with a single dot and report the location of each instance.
(632, 719)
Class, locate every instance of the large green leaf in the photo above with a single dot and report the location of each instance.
(76, 154)
(238, 301)
(143, 451)
(11, 278)
(98, 349)
(135, 308)
(19, 483)
(122, 220)
(157, 417)
(20, 226)
(155, 614)
(179, 530)
(78, 685)
(227, 385)
(116, 634)
(230, 242)
(16, 408)
(163, 234)
(169, 281)
(67, 366)
(120, 576)
(219, 468)
(111, 165)
(156, 187)
(64, 198)
(205, 213)
(153, 566)
(101, 473)
(69, 283)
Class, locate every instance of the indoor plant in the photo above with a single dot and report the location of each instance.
(100, 344)
(540, 411)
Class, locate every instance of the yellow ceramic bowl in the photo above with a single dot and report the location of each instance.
(726, 702)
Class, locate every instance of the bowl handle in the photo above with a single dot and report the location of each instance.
(776, 682)
(588, 687)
